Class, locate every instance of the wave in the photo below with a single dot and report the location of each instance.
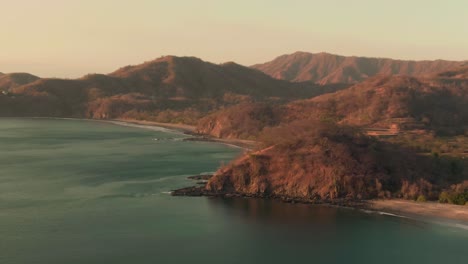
(431, 220)
(168, 139)
(393, 215)
(148, 127)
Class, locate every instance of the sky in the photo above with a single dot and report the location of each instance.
(70, 38)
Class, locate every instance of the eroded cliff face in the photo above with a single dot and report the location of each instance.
(329, 166)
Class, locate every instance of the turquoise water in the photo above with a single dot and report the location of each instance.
(89, 192)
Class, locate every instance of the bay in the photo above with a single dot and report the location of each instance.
(76, 191)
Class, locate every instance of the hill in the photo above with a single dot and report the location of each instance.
(325, 68)
(383, 105)
(434, 103)
(13, 80)
(168, 89)
(320, 161)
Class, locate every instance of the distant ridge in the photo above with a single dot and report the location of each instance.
(155, 89)
(13, 80)
(326, 68)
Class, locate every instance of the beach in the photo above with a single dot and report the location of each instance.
(422, 211)
(191, 130)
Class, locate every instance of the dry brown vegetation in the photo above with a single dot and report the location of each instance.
(310, 151)
(13, 80)
(323, 161)
(328, 68)
(169, 89)
(244, 121)
(390, 104)
(314, 138)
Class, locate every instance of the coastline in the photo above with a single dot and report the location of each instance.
(430, 212)
(189, 130)
(182, 128)
(422, 211)
(427, 211)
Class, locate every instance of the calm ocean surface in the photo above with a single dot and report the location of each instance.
(89, 192)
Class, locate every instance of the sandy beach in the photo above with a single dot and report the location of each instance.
(246, 144)
(180, 127)
(423, 211)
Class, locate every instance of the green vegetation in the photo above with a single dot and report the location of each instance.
(421, 199)
(454, 197)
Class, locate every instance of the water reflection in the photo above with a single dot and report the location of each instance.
(277, 212)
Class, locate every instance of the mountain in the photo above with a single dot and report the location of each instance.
(433, 103)
(168, 89)
(325, 68)
(190, 77)
(319, 149)
(381, 104)
(13, 80)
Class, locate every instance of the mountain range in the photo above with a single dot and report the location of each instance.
(165, 84)
(311, 114)
(326, 68)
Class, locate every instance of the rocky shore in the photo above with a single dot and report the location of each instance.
(200, 190)
(428, 211)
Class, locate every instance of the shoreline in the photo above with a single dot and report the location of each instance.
(183, 128)
(427, 211)
(189, 130)
(433, 210)
(430, 212)
(180, 127)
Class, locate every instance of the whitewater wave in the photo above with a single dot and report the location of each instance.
(148, 127)
(393, 215)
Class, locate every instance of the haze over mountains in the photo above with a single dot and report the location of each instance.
(326, 68)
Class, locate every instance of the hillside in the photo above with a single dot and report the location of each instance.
(322, 162)
(434, 103)
(13, 80)
(169, 89)
(325, 68)
(382, 105)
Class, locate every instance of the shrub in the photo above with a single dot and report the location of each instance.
(421, 199)
(444, 197)
(459, 198)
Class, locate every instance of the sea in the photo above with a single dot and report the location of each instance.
(89, 192)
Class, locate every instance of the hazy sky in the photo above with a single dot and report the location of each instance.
(68, 38)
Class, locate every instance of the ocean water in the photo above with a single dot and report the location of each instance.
(85, 192)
